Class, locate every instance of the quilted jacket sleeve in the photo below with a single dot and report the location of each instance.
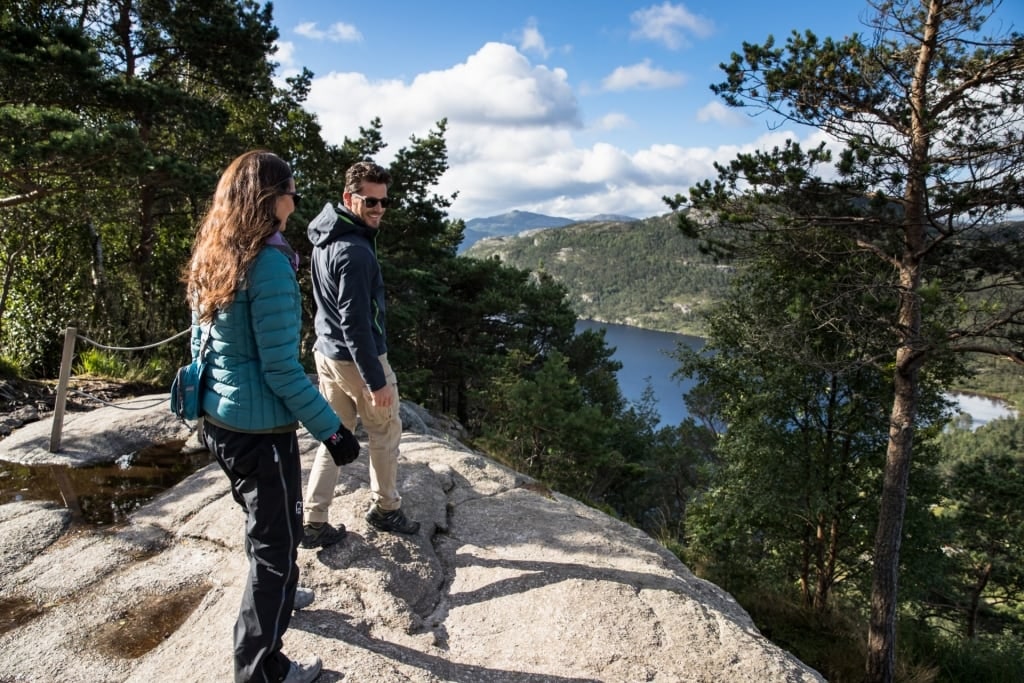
(276, 316)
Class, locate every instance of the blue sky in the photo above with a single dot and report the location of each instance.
(563, 108)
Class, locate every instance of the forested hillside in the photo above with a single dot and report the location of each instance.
(643, 273)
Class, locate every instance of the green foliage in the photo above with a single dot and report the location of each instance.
(116, 365)
(790, 497)
(983, 587)
(461, 319)
(927, 109)
(99, 363)
(831, 642)
(643, 273)
(114, 143)
(995, 659)
(9, 369)
(667, 469)
(550, 432)
(38, 304)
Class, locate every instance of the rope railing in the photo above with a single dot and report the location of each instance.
(133, 348)
(60, 402)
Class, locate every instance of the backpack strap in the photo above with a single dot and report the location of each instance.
(207, 331)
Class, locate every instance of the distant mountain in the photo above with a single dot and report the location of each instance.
(515, 222)
(643, 273)
(510, 223)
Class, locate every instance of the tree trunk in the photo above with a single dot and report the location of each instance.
(881, 663)
(979, 587)
(147, 234)
(881, 660)
(99, 274)
(827, 577)
(462, 400)
(805, 572)
(8, 276)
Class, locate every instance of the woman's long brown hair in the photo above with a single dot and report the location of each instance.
(239, 221)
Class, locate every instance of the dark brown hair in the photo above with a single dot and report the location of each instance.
(241, 217)
(365, 172)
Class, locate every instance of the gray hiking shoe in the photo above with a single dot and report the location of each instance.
(306, 671)
(321, 535)
(304, 597)
(391, 520)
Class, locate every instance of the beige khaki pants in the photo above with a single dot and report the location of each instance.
(343, 387)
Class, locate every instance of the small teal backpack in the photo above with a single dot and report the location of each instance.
(187, 386)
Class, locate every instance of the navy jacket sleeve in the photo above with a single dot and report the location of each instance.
(356, 270)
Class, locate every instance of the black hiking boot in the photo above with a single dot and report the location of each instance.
(391, 520)
(321, 535)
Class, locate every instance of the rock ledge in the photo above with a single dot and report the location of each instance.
(505, 582)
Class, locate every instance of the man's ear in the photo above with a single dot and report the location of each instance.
(346, 198)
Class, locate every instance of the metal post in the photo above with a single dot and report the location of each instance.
(62, 387)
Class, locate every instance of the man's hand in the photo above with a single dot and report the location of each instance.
(383, 397)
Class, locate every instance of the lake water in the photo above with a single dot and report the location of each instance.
(982, 409)
(644, 356)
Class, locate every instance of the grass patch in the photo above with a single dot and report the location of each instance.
(94, 362)
(989, 658)
(9, 369)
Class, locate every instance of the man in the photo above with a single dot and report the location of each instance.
(351, 353)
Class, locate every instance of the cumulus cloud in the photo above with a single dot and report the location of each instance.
(666, 23)
(497, 85)
(716, 112)
(533, 41)
(512, 138)
(339, 32)
(285, 57)
(557, 178)
(612, 121)
(641, 75)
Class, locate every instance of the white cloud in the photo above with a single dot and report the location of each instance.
(641, 75)
(557, 178)
(512, 138)
(554, 177)
(339, 32)
(612, 121)
(285, 57)
(533, 41)
(309, 30)
(666, 23)
(716, 112)
(497, 85)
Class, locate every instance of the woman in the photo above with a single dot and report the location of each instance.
(241, 280)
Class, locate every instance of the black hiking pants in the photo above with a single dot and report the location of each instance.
(265, 475)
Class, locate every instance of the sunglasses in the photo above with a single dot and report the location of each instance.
(296, 197)
(371, 202)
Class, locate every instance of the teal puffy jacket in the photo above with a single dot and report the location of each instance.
(254, 381)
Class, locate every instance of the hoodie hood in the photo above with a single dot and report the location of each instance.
(330, 224)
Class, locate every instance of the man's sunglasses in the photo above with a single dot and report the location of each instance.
(371, 202)
(296, 197)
